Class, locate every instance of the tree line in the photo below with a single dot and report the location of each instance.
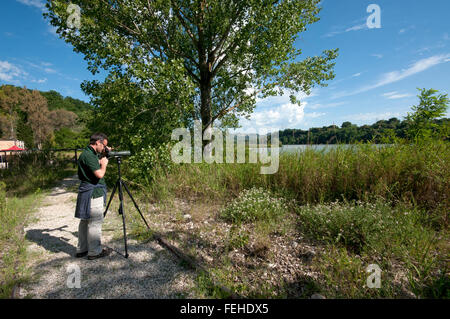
(348, 133)
(426, 121)
(42, 119)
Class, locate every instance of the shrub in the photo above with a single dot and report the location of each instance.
(255, 204)
(150, 161)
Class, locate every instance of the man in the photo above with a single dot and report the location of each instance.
(91, 198)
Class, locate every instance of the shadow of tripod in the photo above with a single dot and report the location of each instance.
(120, 184)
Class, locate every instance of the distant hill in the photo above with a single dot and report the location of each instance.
(350, 133)
(56, 101)
(42, 119)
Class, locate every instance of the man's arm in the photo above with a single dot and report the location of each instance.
(101, 172)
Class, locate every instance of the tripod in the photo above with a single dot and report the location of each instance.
(120, 184)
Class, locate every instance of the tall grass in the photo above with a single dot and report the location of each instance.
(362, 204)
(412, 173)
(14, 215)
(21, 189)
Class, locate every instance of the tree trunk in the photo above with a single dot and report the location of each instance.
(205, 107)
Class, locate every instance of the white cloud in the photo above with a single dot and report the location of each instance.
(277, 113)
(10, 72)
(49, 70)
(40, 81)
(44, 67)
(314, 115)
(326, 105)
(15, 74)
(340, 30)
(394, 95)
(276, 118)
(52, 30)
(357, 27)
(33, 3)
(417, 67)
(403, 30)
(394, 76)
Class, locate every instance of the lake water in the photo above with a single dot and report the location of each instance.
(317, 147)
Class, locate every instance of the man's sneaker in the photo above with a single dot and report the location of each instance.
(105, 252)
(79, 255)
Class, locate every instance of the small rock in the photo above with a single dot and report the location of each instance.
(308, 256)
(187, 216)
(208, 258)
(318, 296)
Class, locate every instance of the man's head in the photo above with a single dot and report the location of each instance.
(98, 142)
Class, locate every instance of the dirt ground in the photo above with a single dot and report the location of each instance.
(150, 271)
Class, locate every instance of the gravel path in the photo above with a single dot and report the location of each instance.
(149, 272)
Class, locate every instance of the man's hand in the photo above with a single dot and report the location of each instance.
(103, 162)
(101, 172)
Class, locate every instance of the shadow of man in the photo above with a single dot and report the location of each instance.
(49, 242)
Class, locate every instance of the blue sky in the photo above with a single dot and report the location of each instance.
(378, 70)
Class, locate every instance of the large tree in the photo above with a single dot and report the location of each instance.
(9, 103)
(422, 122)
(217, 55)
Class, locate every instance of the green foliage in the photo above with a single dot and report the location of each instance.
(67, 138)
(2, 198)
(252, 205)
(135, 118)
(382, 132)
(56, 101)
(431, 107)
(415, 173)
(28, 172)
(357, 226)
(14, 215)
(207, 55)
(150, 162)
(25, 134)
(42, 119)
(358, 234)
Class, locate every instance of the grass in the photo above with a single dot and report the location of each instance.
(21, 190)
(31, 172)
(14, 216)
(354, 206)
(359, 234)
(253, 205)
(416, 173)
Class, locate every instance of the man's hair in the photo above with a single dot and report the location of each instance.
(96, 137)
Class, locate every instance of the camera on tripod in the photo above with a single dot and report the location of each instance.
(119, 186)
(108, 153)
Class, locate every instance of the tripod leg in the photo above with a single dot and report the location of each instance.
(135, 205)
(110, 199)
(122, 212)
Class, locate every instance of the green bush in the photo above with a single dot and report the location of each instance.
(361, 226)
(29, 172)
(255, 204)
(150, 162)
